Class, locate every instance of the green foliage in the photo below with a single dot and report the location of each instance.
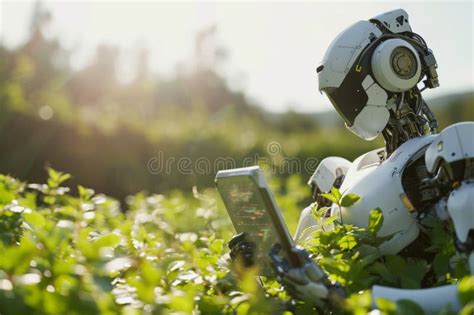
(466, 292)
(167, 254)
(66, 254)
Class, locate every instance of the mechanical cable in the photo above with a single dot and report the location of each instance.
(412, 41)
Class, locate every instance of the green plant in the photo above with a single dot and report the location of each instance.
(167, 255)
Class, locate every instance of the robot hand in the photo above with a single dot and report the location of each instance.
(307, 282)
(242, 249)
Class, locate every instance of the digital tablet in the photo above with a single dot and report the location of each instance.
(253, 210)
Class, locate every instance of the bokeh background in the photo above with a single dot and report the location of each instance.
(97, 89)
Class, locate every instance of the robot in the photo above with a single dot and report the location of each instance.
(371, 73)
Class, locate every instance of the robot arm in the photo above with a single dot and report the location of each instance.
(307, 282)
(329, 173)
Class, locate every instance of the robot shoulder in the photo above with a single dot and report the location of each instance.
(378, 182)
(453, 144)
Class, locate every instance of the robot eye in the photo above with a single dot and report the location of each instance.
(396, 65)
(403, 62)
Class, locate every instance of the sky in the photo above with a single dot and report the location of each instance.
(274, 47)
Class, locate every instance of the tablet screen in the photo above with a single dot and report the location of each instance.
(250, 210)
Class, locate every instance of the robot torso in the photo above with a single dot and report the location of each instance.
(379, 184)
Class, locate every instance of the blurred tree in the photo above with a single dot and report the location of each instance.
(96, 84)
(143, 67)
(292, 121)
(208, 53)
(105, 131)
(33, 75)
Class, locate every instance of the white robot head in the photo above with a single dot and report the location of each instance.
(370, 66)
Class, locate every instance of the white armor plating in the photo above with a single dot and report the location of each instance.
(379, 185)
(455, 143)
(374, 116)
(396, 21)
(343, 52)
(460, 207)
(327, 172)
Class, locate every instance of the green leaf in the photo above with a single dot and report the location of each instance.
(28, 201)
(150, 273)
(409, 283)
(336, 193)
(347, 242)
(466, 290)
(375, 221)
(334, 266)
(212, 304)
(441, 265)
(36, 219)
(6, 196)
(50, 200)
(318, 214)
(330, 197)
(322, 211)
(349, 200)
(217, 246)
(415, 271)
(409, 307)
(468, 309)
(395, 264)
(359, 303)
(386, 305)
(108, 240)
(55, 178)
(85, 193)
(329, 220)
(381, 270)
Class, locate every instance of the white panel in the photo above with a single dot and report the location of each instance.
(370, 122)
(396, 21)
(343, 51)
(377, 96)
(454, 143)
(368, 81)
(371, 183)
(327, 171)
(460, 209)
